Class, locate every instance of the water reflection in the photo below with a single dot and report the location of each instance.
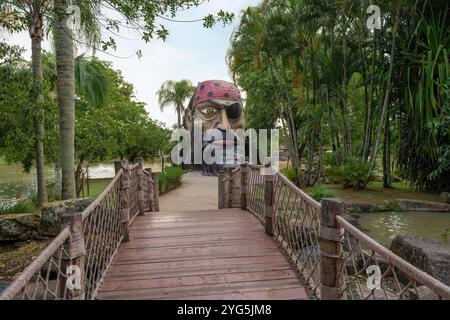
(383, 226)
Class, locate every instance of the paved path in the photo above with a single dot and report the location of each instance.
(194, 251)
(196, 193)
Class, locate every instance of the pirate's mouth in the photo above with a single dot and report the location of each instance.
(223, 142)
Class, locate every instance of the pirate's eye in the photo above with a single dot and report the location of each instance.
(209, 111)
(234, 111)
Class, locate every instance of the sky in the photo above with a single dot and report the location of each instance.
(190, 52)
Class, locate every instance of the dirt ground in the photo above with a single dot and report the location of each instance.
(15, 257)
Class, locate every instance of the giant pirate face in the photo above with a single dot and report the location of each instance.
(218, 104)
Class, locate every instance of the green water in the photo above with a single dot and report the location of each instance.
(16, 184)
(383, 226)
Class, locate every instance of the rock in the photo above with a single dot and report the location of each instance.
(429, 256)
(421, 205)
(358, 207)
(18, 227)
(445, 197)
(422, 293)
(52, 213)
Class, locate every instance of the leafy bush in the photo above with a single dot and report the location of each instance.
(23, 206)
(321, 192)
(290, 173)
(170, 179)
(352, 173)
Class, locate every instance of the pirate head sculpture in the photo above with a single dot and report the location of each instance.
(217, 105)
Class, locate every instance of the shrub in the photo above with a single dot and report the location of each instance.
(22, 206)
(170, 179)
(445, 197)
(352, 173)
(321, 192)
(290, 173)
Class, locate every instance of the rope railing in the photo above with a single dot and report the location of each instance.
(369, 271)
(44, 278)
(255, 191)
(134, 186)
(296, 227)
(335, 259)
(228, 186)
(75, 263)
(103, 233)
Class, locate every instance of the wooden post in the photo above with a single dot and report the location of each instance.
(155, 191)
(329, 238)
(140, 176)
(124, 196)
(221, 190)
(151, 201)
(268, 203)
(244, 186)
(230, 188)
(73, 258)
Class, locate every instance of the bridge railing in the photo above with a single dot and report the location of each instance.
(75, 263)
(334, 258)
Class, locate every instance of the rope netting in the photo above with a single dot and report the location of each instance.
(134, 186)
(45, 278)
(255, 191)
(102, 224)
(296, 227)
(369, 271)
(146, 188)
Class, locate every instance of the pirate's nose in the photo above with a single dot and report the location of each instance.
(224, 124)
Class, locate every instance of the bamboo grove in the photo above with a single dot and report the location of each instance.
(352, 100)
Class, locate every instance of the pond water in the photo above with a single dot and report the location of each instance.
(16, 184)
(383, 226)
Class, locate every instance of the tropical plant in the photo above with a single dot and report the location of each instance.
(320, 192)
(19, 16)
(175, 93)
(336, 86)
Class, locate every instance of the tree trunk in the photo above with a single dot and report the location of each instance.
(66, 97)
(58, 177)
(320, 161)
(36, 34)
(387, 94)
(78, 179)
(387, 155)
(345, 111)
(179, 116)
(369, 113)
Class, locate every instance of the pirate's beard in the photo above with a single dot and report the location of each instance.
(224, 153)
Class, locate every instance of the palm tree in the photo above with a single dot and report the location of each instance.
(33, 13)
(64, 47)
(175, 93)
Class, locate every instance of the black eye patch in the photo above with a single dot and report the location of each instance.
(234, 111)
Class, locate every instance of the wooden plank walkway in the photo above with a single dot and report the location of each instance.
(207, 254)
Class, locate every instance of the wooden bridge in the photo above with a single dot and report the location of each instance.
(248, 234)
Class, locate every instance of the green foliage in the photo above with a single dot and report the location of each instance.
(170, 179)
(290, 173)
(22, 206)
(315, 68)
(351, 173)
(175, 93)
(320, 192)
(445, 237)
(109, 122)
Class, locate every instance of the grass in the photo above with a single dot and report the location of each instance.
(22, 206)
(320, 192)
(376, 194)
